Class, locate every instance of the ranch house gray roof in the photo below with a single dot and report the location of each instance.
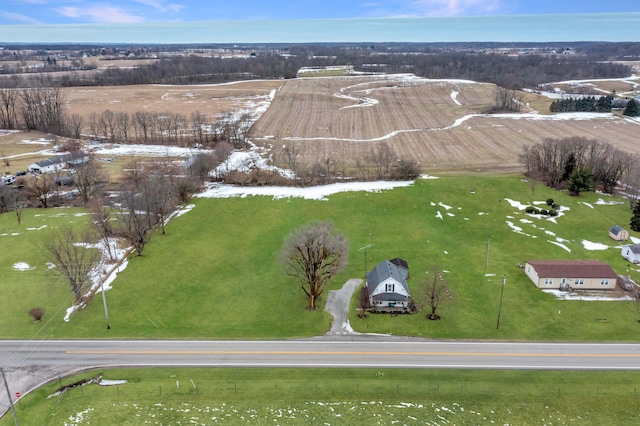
(50, 161)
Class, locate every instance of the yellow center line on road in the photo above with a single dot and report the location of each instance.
(359, 353)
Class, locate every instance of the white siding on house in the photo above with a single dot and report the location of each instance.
(397, 288)
(631, 253)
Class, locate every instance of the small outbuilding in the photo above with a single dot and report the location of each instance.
(388, 289)
(571, 274)
(631, 253)
(618, 233)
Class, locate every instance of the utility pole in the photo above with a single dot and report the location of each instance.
(504, 280)
(486, 261)
(104, 302)
(13, 408)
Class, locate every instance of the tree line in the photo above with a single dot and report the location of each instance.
(44, 109)
(576, 163)
(512, 72)
(582, 104)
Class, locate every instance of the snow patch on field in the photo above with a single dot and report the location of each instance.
(22, 266)
(147, 150)
(215, 190)
(564, 295)
(560, 245)
(454, 97)
(588, 245)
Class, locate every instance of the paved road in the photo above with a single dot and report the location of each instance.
(30, 363)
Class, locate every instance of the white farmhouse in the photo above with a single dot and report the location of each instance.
(388, 290)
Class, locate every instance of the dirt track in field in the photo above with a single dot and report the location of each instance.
(439, 123)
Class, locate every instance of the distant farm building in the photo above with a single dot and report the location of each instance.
(59, 162)
(571, 274)
(618, 233)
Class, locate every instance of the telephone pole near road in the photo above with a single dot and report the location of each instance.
(13, 408)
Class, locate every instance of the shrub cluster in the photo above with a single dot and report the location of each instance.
(544, 212)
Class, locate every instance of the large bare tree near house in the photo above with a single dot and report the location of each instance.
(73, 259)
(314, 254)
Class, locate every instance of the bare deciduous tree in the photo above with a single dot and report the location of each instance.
(314, 254)
(506, 100)
(40, 187)
(73, 259)
(75, 125)
(160, 193)
(434, 291)
(101, 221)
(135, 220)
(363, 301)
(87, 178)
(631, 182)
(382, 158)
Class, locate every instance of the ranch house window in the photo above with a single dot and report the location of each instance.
(604, 281)
(389, 288)
(579, 281)
(548, 281)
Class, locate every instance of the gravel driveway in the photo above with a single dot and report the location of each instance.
(338, 306)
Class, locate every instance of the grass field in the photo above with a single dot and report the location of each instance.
(338, 397)
(215, 274)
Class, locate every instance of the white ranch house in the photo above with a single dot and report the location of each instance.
(388, 289)
(571, 274)
(58, 163)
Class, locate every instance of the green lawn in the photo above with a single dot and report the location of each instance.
(338, 397)
(215, 274)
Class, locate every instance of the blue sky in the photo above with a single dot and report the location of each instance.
(14, 12)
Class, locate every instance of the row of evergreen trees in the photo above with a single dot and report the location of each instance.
(584, 104)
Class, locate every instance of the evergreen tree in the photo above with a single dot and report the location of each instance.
(580, 181)
(631, 109)
(635, 218)
(569, 166)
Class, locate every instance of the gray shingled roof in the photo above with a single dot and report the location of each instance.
(635, 248)
(383, 271)
(572, 269)
(50, 161)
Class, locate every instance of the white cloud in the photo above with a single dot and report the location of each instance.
(161, 6)
(97, 13)
(18, 17)
(456, 7)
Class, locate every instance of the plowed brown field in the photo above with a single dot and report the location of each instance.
(439, 123)
(212, 100)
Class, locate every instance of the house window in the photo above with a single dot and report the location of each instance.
(579, 281)
(548, 281)
(389, 288)
(604, 281)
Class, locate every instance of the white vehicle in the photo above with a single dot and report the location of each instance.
(8, 180)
